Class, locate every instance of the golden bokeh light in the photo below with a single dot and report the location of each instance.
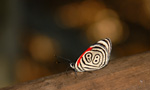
(68, 16)
(105, 13)
(134, 11)
(88, 10)
(42, 48)
(108, 27)
(79, 14)
(146, 22)
(147, 7)
(100, 21)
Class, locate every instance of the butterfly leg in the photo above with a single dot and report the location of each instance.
(75, 72)
(67, 70)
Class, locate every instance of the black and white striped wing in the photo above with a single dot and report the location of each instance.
(95, 57)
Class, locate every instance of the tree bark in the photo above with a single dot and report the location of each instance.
(127, 73)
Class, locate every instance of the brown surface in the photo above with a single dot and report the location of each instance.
(128, 73)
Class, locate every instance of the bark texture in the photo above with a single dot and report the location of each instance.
(127, 73)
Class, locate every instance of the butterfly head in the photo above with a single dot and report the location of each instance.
(72, 65)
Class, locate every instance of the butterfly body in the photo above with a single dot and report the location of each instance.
(95, 57)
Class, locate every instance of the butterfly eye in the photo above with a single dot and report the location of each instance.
(88, 57)
(96, 59)
(72, 65)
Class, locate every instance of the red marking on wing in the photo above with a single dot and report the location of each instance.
(82, 55)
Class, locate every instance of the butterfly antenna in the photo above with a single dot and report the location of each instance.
(62, 58)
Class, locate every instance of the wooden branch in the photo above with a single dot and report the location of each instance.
(128, 73)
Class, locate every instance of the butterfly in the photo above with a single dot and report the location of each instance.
(95, 57)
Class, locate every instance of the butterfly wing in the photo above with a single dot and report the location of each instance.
(95, 57)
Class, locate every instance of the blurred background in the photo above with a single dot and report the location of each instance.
(33, 31)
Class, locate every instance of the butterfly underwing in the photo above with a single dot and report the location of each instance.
(95, 57)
